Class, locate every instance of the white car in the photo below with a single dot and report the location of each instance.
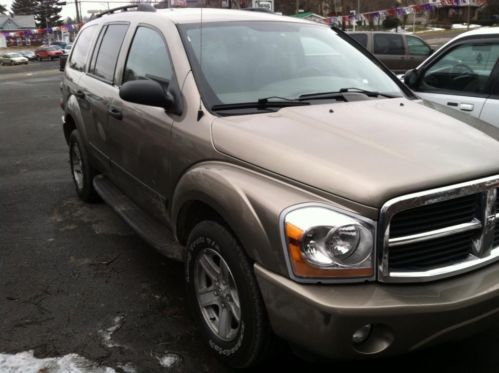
(463, 74)
(13, 59)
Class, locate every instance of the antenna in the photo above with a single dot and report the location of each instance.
(200, 110)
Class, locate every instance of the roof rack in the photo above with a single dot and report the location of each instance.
(138, 7)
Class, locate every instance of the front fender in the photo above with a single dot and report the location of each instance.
(249, 202)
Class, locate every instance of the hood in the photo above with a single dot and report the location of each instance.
(365, 151)
(19, 59)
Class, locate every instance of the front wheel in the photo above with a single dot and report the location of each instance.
(81, 169)
(224, 297)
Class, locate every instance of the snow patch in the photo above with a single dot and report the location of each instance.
(169, 360)
(108, 333)
(461, 26)
(25, 362)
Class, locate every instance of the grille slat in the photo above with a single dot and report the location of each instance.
(424, 255)
(435, 216)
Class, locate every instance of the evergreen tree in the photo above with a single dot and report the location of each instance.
(3, 9)
(23, 7)
(47, 13)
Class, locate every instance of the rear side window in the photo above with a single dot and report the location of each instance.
(148, 57)
(388, 44)
(104, 63)
(417, 46)
(360, 38)
(82, 46)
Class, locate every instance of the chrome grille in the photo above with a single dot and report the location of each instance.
(435, 216)
(496, 233)
(440, 232)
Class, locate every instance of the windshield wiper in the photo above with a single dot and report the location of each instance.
(339, 95)
(261, 104)
(366, 92)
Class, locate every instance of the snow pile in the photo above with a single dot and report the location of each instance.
(169, 360)
(25, 362)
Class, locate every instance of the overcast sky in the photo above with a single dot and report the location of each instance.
(69, 10)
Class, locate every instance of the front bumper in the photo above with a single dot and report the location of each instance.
(323, 318)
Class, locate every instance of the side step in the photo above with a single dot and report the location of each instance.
(156, 234)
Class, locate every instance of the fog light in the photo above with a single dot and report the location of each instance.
(361, 334)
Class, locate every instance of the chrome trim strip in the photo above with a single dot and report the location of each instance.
(423, 198)
(437, 233)
(438, 273)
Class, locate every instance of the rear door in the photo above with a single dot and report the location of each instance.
(98, 89)
(390, 49)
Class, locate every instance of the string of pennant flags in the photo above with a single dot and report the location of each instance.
(402, 11)
(40, 31)
(366, 16)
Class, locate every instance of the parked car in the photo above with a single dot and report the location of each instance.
(60, 44)
(30, 55)
(310, 193)
(400, 52)
(463, 75)
(67, 49)
(48, 52)
(13, 59)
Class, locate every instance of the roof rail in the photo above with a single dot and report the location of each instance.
(139, 7)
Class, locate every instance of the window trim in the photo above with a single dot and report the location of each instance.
(119, 82)
(89, 52)
(97, 46)
(442, 52)
(407, 37)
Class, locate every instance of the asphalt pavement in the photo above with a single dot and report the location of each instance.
(75, 279)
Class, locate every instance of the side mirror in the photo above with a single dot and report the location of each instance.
(146, 92)
(411, 78)
(62, 62)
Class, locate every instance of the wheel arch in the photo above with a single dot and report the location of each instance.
(248, 203)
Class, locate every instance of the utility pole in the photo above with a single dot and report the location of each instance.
(343, 25)
(78, 19)
(469, 14)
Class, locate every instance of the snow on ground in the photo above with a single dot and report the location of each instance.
(108, 333)
(25, 362)
(169, 360)
(460, 26)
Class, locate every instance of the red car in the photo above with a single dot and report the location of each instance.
(48, 52)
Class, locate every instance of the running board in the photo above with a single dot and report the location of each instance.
(156, 234)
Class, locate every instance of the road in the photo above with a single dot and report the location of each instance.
(75, 279)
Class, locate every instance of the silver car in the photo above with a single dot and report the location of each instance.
(13, 59)
(463, 74)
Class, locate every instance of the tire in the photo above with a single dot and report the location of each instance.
(238, 343)
(81, 169)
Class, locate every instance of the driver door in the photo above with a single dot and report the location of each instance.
(462, 77)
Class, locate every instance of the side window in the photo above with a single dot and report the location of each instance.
(81, 49)
(360, 38)
(148, 57)
(466, 69)
(417, 46)
(388, 44)
(104, 64)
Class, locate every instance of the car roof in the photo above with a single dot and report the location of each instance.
(478, 31)
(193, 15)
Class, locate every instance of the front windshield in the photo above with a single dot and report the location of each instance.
(14, 55)
(248, 61)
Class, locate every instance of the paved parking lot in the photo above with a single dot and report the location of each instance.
(75, 279)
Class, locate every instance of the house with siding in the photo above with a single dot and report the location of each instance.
(16, 30)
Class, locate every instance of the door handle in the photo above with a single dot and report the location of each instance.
(466, 107)
(80, 94)
(115, 113)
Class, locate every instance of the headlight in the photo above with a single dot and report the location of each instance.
(324, 243)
